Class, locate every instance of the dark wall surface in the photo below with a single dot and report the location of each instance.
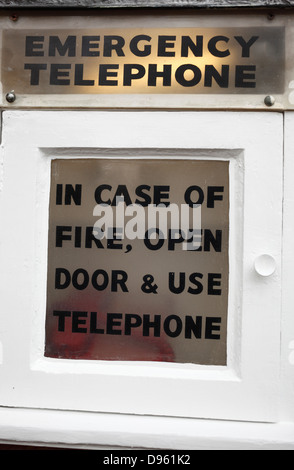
(145, 3)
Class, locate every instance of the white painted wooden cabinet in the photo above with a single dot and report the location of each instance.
(142, 404)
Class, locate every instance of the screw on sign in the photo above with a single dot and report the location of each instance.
(10, 97)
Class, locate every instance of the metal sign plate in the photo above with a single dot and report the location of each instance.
(148, 60)
(152, 60)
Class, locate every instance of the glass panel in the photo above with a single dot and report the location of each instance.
(122, 286)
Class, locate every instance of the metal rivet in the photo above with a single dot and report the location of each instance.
(269, 100)
(10, 97)
(13, 17)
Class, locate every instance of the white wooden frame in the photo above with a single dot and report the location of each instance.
(247, 389)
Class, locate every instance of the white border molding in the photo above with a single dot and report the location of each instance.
(101, 430)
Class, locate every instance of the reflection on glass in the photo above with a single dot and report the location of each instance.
(125, 285)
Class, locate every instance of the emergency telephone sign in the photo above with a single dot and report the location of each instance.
(148, 60)
(138, 260)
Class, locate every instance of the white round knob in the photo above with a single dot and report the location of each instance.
(265, 265)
